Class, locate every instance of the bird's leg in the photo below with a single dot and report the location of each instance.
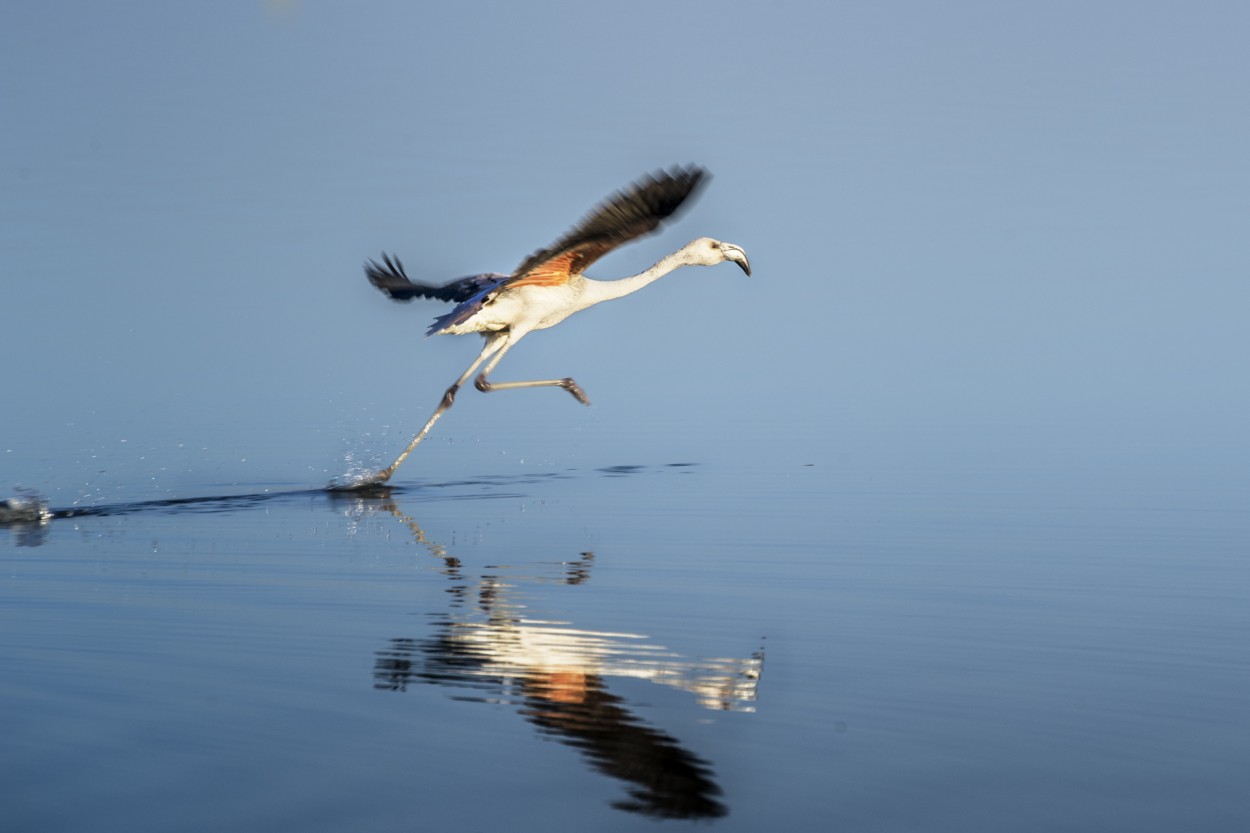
(493, 343)
(568, 384)
(486, 386)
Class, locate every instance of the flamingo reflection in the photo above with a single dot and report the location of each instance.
(491, 649)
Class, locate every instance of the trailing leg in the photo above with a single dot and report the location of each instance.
(484, 384)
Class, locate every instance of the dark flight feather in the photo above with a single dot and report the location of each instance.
(389, 276)
(626, 215)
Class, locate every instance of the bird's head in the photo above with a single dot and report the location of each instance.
(708, 252)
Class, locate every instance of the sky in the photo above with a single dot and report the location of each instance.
(1014, 228)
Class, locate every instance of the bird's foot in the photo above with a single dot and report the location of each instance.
(575, 389)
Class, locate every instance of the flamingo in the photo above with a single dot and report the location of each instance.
(548, 287)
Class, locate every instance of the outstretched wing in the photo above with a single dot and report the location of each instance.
(625, 215)
(389, 276)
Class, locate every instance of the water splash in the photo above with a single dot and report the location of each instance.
(353, 479)
(27, 507)
(28, 515)
(359, 474)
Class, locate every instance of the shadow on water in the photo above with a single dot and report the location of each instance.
(28, 515)
(487, 648)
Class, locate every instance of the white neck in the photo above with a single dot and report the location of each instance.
(599, 291)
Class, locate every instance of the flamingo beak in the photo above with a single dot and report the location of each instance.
(739, 257)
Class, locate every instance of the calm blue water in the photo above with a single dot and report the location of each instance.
(937, 522)
(807, 646)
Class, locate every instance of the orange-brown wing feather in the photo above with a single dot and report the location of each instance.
(624, 216)
(551, 272)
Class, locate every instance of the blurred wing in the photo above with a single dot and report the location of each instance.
(389, 276)
(625, 215)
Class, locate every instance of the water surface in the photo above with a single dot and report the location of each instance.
(813, 646)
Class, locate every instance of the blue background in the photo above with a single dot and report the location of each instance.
(1003, 229)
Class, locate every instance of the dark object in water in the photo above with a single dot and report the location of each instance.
(28, 507)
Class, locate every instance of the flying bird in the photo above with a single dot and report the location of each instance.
(549, 286)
